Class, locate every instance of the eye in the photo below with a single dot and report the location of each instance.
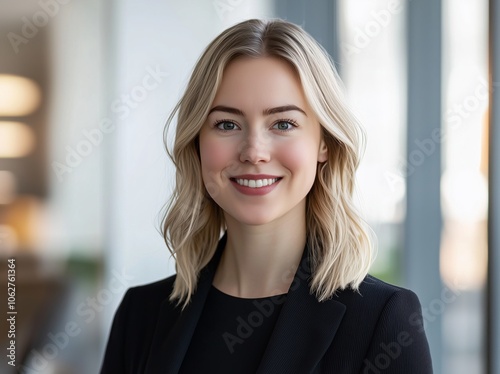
(225, 125)
(285, 125)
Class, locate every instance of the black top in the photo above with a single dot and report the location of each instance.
(232, 334)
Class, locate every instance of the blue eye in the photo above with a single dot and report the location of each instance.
(225, 125)
(284, 125)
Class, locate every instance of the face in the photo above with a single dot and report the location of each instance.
(261, 143)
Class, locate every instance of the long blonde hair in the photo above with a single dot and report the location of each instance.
(341, 249)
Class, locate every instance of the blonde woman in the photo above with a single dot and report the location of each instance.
(271, 256)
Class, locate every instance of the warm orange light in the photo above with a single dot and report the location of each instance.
(16, 139)
(8, 240)
(19, 96)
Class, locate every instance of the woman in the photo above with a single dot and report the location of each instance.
(265, 154)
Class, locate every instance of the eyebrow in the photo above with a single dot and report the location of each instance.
(266, 112)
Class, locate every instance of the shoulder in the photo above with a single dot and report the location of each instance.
(374, 294)
(375, 289)
(147, 297)
(377, 303)
(145, 303)
(152, 293)
(145, 300)
(392, 306)
(135, 321)
(379, 288)
(383, 323)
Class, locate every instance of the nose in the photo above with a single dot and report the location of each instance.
(255, 148)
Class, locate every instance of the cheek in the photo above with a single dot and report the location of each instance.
(215, 156)
(299, 157)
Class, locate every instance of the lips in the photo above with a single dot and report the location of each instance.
(255, 184)
(255, 176)
(255, 180)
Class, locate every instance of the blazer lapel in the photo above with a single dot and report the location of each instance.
(172, 337)
(304, 330)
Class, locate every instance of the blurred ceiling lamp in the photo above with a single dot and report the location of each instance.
(19, 96)
(7, 187)
(16, 139)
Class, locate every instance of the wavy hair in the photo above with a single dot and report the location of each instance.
(340, 242)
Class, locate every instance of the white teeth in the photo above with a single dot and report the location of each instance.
(252, 183)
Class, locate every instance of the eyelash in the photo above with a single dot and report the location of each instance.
(290, 121)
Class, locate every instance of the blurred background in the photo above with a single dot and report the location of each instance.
(85, 90)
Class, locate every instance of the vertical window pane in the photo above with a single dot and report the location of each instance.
(373, 66)
(464, 182)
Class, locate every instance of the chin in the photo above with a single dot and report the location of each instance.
(253, 218)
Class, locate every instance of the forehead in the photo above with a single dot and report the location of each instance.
(260, 82)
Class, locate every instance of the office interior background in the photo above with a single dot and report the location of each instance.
(85, 91)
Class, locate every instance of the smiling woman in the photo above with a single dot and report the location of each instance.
(271, 256)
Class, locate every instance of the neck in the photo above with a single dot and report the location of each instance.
(261, 260)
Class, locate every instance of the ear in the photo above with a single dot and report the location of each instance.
(322, 152)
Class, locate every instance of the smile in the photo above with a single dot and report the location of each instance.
(256, 183)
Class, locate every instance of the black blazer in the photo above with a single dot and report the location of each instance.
(378, 330)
